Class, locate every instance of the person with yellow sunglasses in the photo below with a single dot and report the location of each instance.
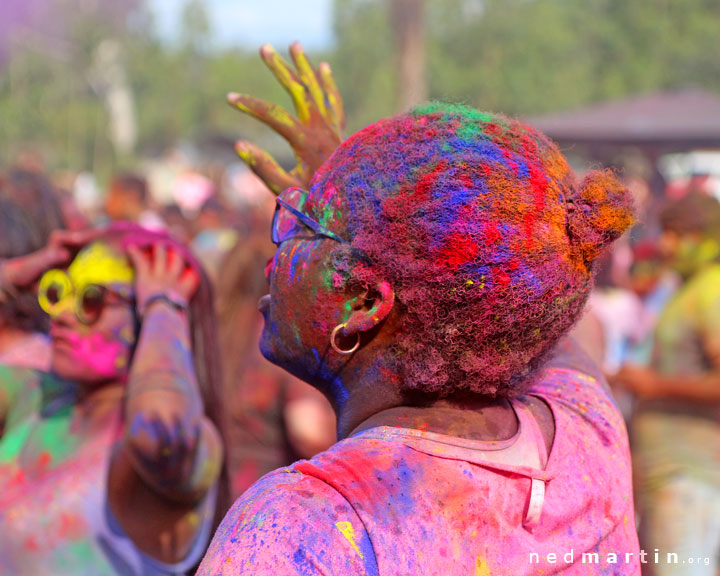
(112, 462)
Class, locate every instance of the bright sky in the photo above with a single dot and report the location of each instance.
(250, 23)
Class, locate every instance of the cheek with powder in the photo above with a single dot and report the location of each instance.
(104, 356)
(303, 310)
(292, 260)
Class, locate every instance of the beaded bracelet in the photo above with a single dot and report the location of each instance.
(175, 302)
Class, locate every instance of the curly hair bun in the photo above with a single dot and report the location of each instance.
(477, 222)
(598, 214)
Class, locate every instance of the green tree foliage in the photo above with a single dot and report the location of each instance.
(515, 56)
(533, 56)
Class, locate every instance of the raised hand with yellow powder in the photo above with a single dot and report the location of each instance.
(313, 134)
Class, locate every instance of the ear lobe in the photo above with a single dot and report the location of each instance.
(364, 319)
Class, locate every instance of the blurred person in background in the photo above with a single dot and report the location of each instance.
(611, 319)
(23, 324)
(654, 283)
(273, 418)
(65, 184)
(112, 463)
(73, 217)
(676, 428)
(128, 200)
(214, 237)
(29, 213)
(177, 224)
(38, 199)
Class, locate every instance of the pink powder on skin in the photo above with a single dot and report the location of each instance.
(104, 357)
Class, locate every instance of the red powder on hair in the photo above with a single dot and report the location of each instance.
(459, 249)
(427, 182)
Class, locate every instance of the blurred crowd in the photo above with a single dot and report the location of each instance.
(652, 323)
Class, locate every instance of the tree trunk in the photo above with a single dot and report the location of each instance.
(407, 20)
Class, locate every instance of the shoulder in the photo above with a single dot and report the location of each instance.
(579, 395)
(18, 376)
(291, 523)
(17, 383)
(569, 359)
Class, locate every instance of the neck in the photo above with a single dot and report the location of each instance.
(369, 394)
(96, 406)
(367, 397)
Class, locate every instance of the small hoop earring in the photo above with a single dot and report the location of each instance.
(335, 347)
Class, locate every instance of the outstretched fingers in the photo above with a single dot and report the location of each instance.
(309, 77)
(335, 103)
(290, 81)
(267, 169)
(273, 115)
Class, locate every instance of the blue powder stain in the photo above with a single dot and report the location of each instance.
(337, 388)
(454, 196)
(483, 148)
(477, 272)
(521, 168)
(294, 263)
(368, 555)
(356, 189)
(507, 230)
(402, 499)
(302, 563)
(302, 252)
(530, 279)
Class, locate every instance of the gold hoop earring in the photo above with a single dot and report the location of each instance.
(335, 347)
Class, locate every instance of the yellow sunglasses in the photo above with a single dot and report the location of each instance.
(56, 294)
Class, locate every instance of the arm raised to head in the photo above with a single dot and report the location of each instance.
(174, 448)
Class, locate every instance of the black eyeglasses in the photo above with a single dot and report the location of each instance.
(289, 221)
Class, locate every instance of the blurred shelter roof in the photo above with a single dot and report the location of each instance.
(675, 120)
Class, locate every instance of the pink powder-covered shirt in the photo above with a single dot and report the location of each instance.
(395, 501)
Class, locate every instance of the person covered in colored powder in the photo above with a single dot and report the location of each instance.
(676, 428)
(422, 279)
(111, 463)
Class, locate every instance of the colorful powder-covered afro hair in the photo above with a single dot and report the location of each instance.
(477, 223)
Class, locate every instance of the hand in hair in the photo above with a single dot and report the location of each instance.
(163, 276)
(313, 135)
(61, 248)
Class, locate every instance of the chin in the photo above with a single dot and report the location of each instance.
(72, 369)
(266, 348)
(67, 369)
(273, 351)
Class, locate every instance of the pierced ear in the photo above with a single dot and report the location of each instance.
(363, 319)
